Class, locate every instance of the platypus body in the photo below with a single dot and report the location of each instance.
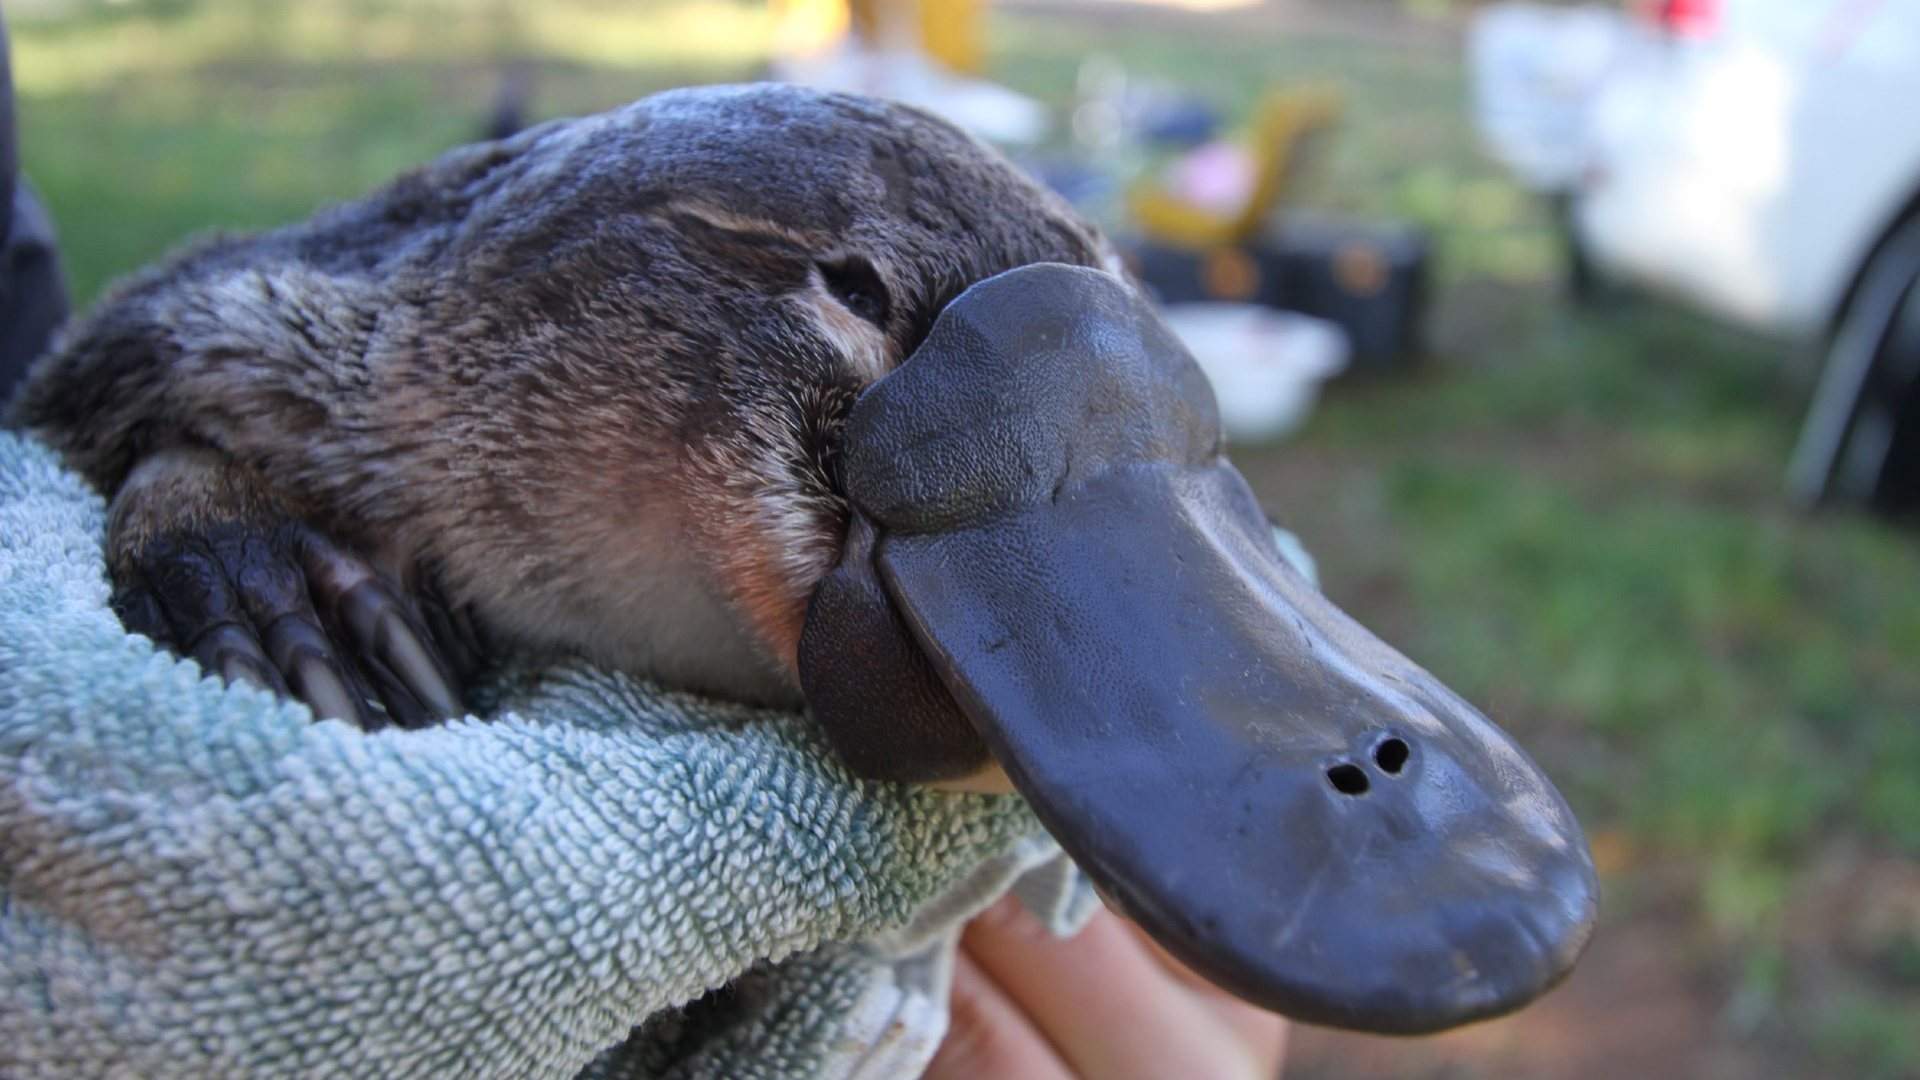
(803, 398)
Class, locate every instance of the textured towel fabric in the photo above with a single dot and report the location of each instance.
(199, 880)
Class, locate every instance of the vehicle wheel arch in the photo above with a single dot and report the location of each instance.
(1908, 211)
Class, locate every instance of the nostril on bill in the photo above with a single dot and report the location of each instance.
(1348, 779)
(1391, 755)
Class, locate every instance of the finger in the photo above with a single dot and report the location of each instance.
(231, 651)
(404, 661)
(402, 705)
(989, 1036)
(1106, 1003)
(455, 634)
(203, 615)
(443, 628)
(271, 589)
(139, 609)
(1261, 1030)
(303, 653)
(189, 585)
(1188, 977)
(414, 681)
(266, 586)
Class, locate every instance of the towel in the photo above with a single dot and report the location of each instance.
(603, 878)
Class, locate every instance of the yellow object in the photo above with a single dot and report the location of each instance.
(950, 32)
(808, 27)
(1281, 128)
(947, 30)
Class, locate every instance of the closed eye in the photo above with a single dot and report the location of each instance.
(856, 284)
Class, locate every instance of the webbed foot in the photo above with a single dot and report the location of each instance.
(209, 566)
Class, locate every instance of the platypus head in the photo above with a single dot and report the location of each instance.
(678, 302)
(934, 464)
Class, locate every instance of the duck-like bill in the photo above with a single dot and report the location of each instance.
(1052, 563)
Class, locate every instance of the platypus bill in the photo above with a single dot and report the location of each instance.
(783, 396)
(1048, 542)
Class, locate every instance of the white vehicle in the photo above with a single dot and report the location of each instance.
(1758, 157)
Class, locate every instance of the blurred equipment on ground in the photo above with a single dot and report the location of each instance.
(1223, 193)
(1368, 278)
(1206, 228)
(1753, 156)
(1277, 308)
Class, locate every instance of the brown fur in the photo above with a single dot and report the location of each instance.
(590, 375)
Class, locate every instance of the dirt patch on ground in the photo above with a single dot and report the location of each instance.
(1655, 995)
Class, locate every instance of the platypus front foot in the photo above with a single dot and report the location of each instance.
(210, 566)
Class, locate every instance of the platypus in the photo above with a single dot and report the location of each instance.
(806, 399)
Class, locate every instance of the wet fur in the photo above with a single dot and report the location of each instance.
(589, 377)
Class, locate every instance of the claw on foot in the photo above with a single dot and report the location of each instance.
(282, 608)
(210, 565)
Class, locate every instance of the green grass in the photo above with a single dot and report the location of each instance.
(1602, 524)
(1573, 516)
(146, 122)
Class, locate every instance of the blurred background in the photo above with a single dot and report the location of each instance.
(1624, 301)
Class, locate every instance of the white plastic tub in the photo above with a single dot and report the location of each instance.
(1266, 366)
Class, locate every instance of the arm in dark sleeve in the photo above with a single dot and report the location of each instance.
(33, 297)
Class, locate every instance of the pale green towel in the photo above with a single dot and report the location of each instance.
(201, 881)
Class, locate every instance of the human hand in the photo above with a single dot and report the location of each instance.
(1106, 1003)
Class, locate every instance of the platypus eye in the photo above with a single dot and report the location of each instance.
(855, 283)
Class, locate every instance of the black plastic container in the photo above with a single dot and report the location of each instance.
(1370, 278)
